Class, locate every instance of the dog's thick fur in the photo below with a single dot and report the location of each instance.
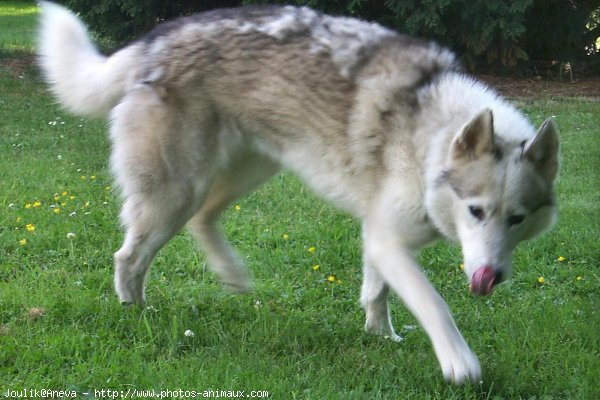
(205, 108)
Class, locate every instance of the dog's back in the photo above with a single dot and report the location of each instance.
(245, 52)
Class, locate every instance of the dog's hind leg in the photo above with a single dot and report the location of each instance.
(161, 184)
(152, 220)
(245, 174)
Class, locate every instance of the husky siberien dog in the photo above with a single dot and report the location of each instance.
(205, 108)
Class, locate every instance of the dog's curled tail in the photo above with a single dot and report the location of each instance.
(83, 80)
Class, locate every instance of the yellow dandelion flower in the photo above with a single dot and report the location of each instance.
(83, 177)
(462, 267)
(541, 280)
(92, 177)
(316, 267)
(86, 204)
(579, 278)
(37, 204)
(237, 207)
(30, 227)
(56, 210)
(286, 236)
(56, 197)
(64, 193)
(71, 197)
(331, 278)
(28, 205)
(23, 242)
(312, 249)
(560, 259)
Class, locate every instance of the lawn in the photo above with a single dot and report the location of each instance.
(298, 335)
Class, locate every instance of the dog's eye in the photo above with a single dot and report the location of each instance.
(515, 219)
(477, 212)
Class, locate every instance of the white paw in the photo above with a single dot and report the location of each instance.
(383, 328)
(129, 291)
(239, 286)
(234, 277)
(461, 367)
(394, 337)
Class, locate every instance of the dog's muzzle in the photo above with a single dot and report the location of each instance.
(484, 280)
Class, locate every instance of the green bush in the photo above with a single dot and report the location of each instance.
(123, 20)
(562, 30)
(481, 31)
(485, 33)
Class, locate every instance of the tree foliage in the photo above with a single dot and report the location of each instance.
(563, 30)
(500, 33)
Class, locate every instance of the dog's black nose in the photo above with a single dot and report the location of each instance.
(497, 277)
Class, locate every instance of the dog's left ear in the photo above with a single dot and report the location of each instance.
(475, 139)
(543, 149)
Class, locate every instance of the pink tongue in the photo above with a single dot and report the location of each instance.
(482, 281)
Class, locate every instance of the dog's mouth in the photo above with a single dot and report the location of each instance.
(484, 280)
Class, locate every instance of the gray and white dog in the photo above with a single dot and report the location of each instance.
(205, 108)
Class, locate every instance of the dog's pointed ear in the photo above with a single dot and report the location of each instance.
(475, 138)
(543, 150)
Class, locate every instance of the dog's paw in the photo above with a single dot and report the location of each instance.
(127, 304)
(383, 329)
(239, 287)
(129, 297)
(394, 337)
(462, 367)
(130, 302)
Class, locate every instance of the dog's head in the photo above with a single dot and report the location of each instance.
(496, 194)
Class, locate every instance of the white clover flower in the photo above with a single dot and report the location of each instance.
(189, 333)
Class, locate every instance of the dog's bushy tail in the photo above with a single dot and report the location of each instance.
(83, 80)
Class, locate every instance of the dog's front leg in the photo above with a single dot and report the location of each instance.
(384, 252)
(374, 300)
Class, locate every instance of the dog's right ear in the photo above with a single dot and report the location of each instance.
(544, 149)
(475, 138)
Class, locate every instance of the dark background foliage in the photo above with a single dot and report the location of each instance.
(500, 35)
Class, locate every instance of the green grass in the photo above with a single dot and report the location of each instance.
(17, 27)
(297, 336)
